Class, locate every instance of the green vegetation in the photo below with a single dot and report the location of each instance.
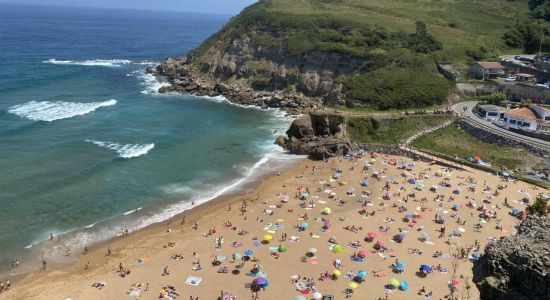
(391, 132)
(539, 208)
(452, 140)
(397, 41)
(529, 31)
(493, 98)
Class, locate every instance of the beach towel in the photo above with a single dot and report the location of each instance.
(193, 280)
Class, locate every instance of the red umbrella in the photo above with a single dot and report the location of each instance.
(455, 282)
(371, 235)
(362, 253)
(477, 158)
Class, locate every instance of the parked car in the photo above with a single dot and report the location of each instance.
(510, 78)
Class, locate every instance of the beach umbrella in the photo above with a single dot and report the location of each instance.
(404, 286)
(362, 274)
(399, 266)
(337, 249)
(371, 235)
(409, 216)
(219, 258)
(399, 237)
(237, 255)
(300, 298)
(461, 229)
(337, 272)
(260, 281)
(317, 296)
(455, 282)
(312, 250)
(394, 282)
(426, 268)
(412, 181)
(268, 237)
(364, 182)
(505, 174)
(304, 225)
(353, 285)
(362, 253)
(477, 158)
(476, 256)
(248, 252)
(421, 185)
(282, 248)
(262, 274)
(327, 210)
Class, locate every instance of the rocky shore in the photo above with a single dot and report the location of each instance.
(314, 133)
(517, 267)
(184, 79)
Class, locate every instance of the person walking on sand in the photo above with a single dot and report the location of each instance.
(109, 251)
(182, 220)
(44, 265)
(196, 226)
(165, 272)
(120, 267)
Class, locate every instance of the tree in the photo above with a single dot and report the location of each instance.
(525, 102)
(539, 208)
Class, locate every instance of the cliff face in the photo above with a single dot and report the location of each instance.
(517, 267)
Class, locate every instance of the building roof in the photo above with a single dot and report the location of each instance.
(524, 113)
(490, 65)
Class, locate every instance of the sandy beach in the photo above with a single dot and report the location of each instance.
(306, 231)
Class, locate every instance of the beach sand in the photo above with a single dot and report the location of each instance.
(146, 253)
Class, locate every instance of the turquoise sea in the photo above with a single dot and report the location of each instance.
(88, 148)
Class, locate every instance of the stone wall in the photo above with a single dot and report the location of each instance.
(493, 138)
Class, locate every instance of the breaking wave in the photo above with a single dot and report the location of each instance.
(51, 111)
(98, 62)
(125, 150)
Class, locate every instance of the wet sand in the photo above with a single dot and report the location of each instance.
(378, 208)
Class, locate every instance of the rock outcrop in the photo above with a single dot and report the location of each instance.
(317, 135)
(517, 267)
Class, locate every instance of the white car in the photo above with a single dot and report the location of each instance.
(510, 79)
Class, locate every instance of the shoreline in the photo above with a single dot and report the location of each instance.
(193, 214)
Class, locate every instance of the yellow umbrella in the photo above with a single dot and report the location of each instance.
(268, 237)
(353, 285)
(337, 272)
(327, 210)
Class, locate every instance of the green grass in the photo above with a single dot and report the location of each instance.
(390, 132)
(374, 110)
(452, 141)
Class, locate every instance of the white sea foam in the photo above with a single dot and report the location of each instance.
(149, 81)
(50, 111)
(125, 150)
(98, 62)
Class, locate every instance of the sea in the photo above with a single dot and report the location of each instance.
(88, 148)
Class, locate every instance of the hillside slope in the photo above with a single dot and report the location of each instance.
(378, 53)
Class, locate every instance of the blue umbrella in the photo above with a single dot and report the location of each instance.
(304, 225)
(506, 174)
(300, 298)
(261, 282)
(362, 274)
(248, 252)
(400, 266)
(476, 256)
(412, 181)
(409, 216)
(364, 182)
(426, 268)
(237, 255)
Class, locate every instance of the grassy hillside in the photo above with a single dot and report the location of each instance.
(397, 43)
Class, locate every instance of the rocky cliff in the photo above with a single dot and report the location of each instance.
(318, 135)
(517, 267)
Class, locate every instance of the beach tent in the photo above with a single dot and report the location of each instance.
(337, 249)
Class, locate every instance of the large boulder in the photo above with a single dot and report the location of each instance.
(517, 267)
(301, 127)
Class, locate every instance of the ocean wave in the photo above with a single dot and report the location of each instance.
(51, 111)
(149, 81)
(98, 62)
(125, 150)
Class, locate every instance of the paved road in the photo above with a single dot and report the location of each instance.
(464, 110)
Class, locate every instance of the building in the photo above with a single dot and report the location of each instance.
(491, 112)
(487, 70)
(532, 118)
(521, 118)
(526, 78)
